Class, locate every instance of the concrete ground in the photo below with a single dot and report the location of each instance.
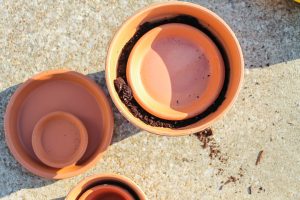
(41, 35)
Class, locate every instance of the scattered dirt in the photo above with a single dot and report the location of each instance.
(261, 189)
(223, 158)
(207, 140)
(125, 92)
(234, 179)
(259, 157)
(249, 190)
(241, 172)
(252, 189)
(204, 137)
(230, 179)
(220, 171)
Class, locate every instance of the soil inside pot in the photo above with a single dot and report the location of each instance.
(125, 93)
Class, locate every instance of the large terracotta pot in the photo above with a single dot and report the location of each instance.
(230, 76)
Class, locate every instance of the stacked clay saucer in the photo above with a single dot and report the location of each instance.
(58, 124)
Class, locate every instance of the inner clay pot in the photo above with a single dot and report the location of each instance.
(125, 93)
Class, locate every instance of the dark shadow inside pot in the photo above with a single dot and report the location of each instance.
(113, 183)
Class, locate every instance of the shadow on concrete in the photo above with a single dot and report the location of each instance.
(13, 176)
(268, 30)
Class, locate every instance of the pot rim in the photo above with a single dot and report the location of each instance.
(158, 130)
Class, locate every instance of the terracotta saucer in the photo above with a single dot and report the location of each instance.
(51, 91)
(59, 139)
(106, 192)
(175, 71)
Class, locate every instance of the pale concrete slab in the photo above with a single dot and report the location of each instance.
(36, 36)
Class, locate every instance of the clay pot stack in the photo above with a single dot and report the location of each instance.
(172, 69)
(58, 124)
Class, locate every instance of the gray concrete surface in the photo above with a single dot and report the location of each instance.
(41, 35)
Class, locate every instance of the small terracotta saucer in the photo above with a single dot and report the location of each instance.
(175, 71)
(59, 139)
(106, 192)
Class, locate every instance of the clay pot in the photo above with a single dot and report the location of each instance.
(120, 186)
(59, 139)
(106, 192)
(160, 96)
(65, 91)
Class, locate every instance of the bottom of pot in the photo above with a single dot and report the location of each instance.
(106, 192)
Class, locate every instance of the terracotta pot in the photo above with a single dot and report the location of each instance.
(106, 192)
(59, 139)
(110, 180)
(297, 1)
(58, 90)
(231, 54)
